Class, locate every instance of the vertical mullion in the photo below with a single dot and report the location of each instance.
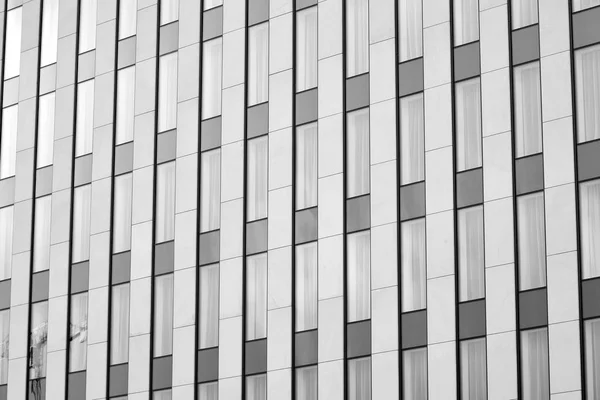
(344, 196)
(293, 222)
(245, 198)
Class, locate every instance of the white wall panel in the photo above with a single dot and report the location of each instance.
(499, 234)
(384, 367)
(230, 347)
(141, 250)
(563, 288)
(497, 166)
(561, 234)
(382, 130)
(230, 288)
(279, 384)
(139, 366)
(500, 299)
(502, 366)
(436, 55)
(331, 329)
(331, 215)
(495, 102)
(330, 85)
(556, 86)
(96, 371)
(279, 343)
(184, 356)
(280, 43)
(330, 144)
(280, 100)
(384, 320)
(384, 256)
(554, 26)
(441, 365)
(230, 389)
(382, 71)
(279, 277)
(232, 112)
(439, 180)
(331, 380)
(233, 58)
(493, 29)
(330, 28)
(280, 217)
(184, 293)
(565, 364)
(280, 158)
(232, 226)
(331, 267)
(440, 244)
(440, 310)
(438, 117)
(232, 168)
(559, 165)
(383, 193)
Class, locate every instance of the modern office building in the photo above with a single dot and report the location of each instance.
(300, 199)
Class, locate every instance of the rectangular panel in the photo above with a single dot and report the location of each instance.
(466, 61)
(359, 339)
(256, 356)
(469, 188)
(533, 309)
(472, 319)
(525, 45)
(357, 92)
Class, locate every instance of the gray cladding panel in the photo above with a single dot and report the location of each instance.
(7, 191)
(77, 385)
(121, 268)
(414, 329)
(80, 277)
(410, 77)
(525, 45)
(118, 380)
(209, 247)
(164, 257)
(533, 309)
(124, 158)
(86, 68)
(258, 11)
(357, 92)
(43, 181)
(208, 365)
(301, 4)
(586, 27)
(213, 23)
(306, 225)
(256, 236)
(162, 373)
(5, 294)
(307, 343)
(211, 134)
(306, 106)
(38, 391)
(4, 392)
(529, 174)
(590, 293)
(471, 319)
(48, 79)
(258, 120)
(83, 170)
(466, 61)
(359, 339)
(40, 286)
(127, 49)
(469, 188)
(412, 201)
(256, 356)
(588, 160)
(166, 146)
(358, 213)
(169, 38)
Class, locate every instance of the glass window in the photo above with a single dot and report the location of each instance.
(8, 146)
(45, 138)
(592, 358)
(471, 253)
(38, 340)
(359, 276)
(256, 387)
(473, 369)
(78, 332)
(208, 391)
(359, 379)
(358, 153)
(412, 139)
(85, 118)
(258, 64)
(589, 208)
(524, 13)
(414, 374)
(208, 4)
(87, 25)
(534, 364)
(165, 202)
(169, 11)
(306, 49)
(414, 266)
(167, 93)
(82, 204)
(357, 37)
(466, 21)
(41, 241)
(163, 315)
(256, 297)
(587, 74)
(12, 51)
(209, 306)
(119, 336)
(49, 32)
(162, 395)
(306, 165)
(127, 18)
(306, 286)
(125, 104)
(532, 241)
(583, 4)
(306, 383)
(6, 241)
(411, 29)
(4, 336)
(122, 213)
(212, 61)
(258, 175)
(468, 124)
(210, 193)
(528, 109)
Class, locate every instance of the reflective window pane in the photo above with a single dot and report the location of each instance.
(8, 148)
(306, 383)
(306, 286)
(87, 25)
(468, 124)
(212, 61)
(534, 364)
(306, 49)
(411, 29)
(78, 332)
(167, 93)
(82, 204)
(306, 165)
(525, 13)
(162, 395)
(258, 64)
(532, 241)
(414, 374)
(169, 11)
(359, 276)
(358, 153)
(256, 297)
(163, 315)
(208, 391)
(49, 32)
(587, 75)
(528, 109)
(6, 241)
(583, 4)
(4, 342)
(471, 254)
(208, 330)
(125, 104)
(127, 18)
(412, 139)
(210, 191)
(84, 133)
(258, 177)
(466, 21)
(45, 137)
(122, 213)
(473, 368)
(589, 209)
(41, 241)
(256, 387)
(38, 340)
(357, 37)
(119, 337)
(592, 358)
(165, 202)
(359, 379)
(414, 267)
(12, 51)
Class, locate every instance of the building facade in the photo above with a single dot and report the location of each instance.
(300, 199)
